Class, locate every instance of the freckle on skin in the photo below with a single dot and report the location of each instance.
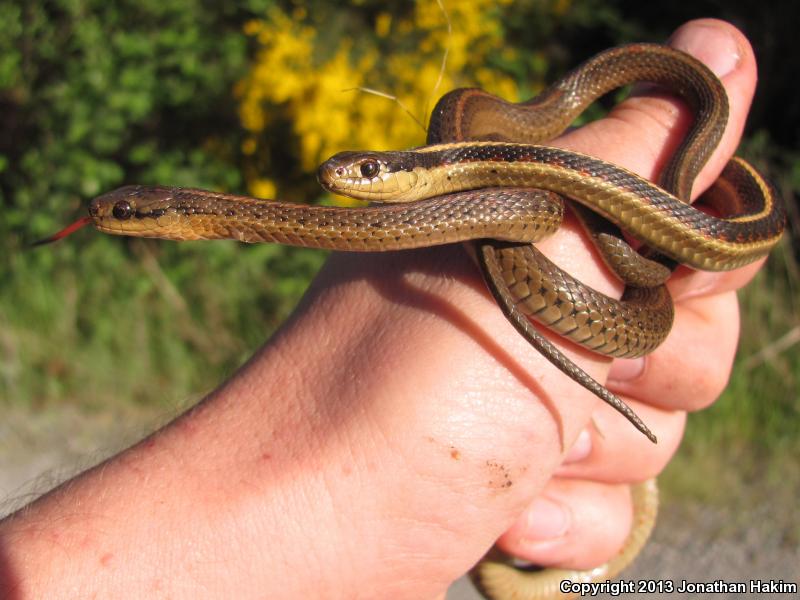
(266, 456)
(106, 559)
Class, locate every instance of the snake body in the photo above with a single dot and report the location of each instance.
(657, 217)
(472, 182)
(190, 214)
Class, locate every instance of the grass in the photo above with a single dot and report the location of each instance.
(112, 322)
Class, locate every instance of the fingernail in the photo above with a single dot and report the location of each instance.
(581, 448)
(714, 46)
(626, 369)
(547, 519)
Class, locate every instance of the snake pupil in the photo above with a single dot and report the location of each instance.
(369, 168)
(122, 210)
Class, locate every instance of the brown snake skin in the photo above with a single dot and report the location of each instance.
(472, 182)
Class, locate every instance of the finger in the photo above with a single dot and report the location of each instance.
(687, 283)
(605, 446)
(701, 347)
(574, 524)
(728, 53)
(583, 516)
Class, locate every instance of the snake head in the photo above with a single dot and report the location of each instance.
(374, 176)
(128, 210)
(132, 210)
(114, 205)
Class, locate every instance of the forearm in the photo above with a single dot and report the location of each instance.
(297, 461)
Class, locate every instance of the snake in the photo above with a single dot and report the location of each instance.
(486, 176)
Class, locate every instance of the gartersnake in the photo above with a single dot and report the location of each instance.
(472, 182)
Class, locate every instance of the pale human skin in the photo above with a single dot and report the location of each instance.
(397, 425)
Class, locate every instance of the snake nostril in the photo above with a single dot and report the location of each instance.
(339, 171)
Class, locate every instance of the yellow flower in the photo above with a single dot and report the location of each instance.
(263, 188)
(383, 24)
(249, 146)
(311, 83)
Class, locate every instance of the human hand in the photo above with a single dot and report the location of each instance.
(585, 504)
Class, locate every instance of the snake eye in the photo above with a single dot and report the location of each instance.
(122, 210)
(369, 168)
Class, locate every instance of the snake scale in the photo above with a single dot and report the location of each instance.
(484, 176)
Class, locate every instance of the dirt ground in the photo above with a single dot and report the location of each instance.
(691, 542)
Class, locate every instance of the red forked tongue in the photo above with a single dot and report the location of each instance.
(64, 232)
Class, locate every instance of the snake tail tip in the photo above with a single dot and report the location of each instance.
(644, 429)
